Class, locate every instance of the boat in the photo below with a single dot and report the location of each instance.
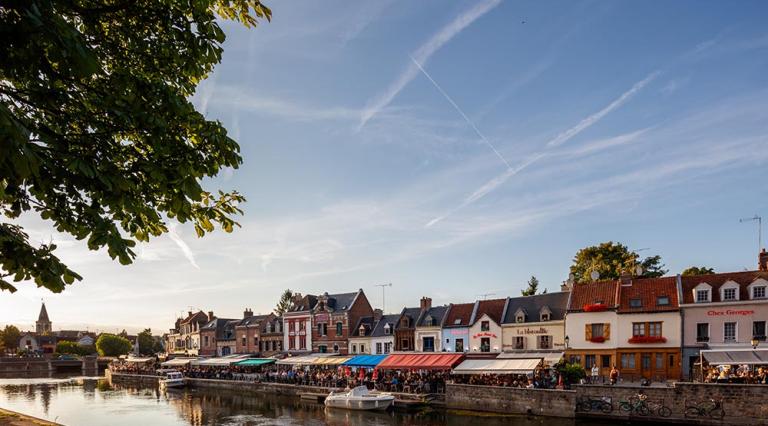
(172, 379)
(359, 398)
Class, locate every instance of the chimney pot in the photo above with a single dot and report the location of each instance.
(426, 303)
(763, 261)
(377, 314)
(247, 313)
(210, 316)
(626, 279)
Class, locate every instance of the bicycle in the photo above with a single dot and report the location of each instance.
(713, 409)
(659, 409)
(588, 404)
(635, 405)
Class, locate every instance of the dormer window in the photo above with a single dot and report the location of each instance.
(702, 293)
(662, 301)
(635, 303)
(729, 291)
(545, 314)
(544, 317)
(387, 329)
(457, 321)
(362, 330)
(520, 318)
(758, 292)
(520, 315)
(428, 320)
(729, 294)
(702, 296)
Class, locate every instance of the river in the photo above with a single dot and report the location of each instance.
(93, 401)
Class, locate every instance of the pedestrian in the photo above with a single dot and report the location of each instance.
(614, 375)
(595, 373)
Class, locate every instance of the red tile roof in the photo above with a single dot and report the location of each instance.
(647, 290)
(744, 279)
(494, 308)
(461, 312)
(604, 292)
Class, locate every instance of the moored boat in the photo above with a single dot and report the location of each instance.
(359, 398)
(172, 379)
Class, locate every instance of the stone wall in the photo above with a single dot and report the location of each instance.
(540, 402)
(131, 378)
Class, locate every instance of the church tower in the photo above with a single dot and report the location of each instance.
(43, 324)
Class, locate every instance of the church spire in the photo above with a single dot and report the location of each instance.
(43, 324)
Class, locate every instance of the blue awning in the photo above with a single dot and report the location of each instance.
(365, 361)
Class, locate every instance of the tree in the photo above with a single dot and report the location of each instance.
(10, 337)
(533, 287)
(73, 348)
(698, 270)
(610, 260)
(146, 342)
(99, 135)
(112, 345)
(571, 373)
(284, 303)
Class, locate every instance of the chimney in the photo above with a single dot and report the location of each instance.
(626, 279)
(190, 314)
(426, 303)
(247, 313)
(377, 314)
(210, 316)
(763, 261)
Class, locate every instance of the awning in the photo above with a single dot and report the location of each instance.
(550, 358)
(139, 360)
(736, 356)
(497, 366)
(299, 359)
(255, 362)
(365, 361)
(177, 362)
(437, 361)
(331, 360)
(221, 361)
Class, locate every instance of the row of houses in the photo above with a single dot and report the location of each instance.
(650, 327)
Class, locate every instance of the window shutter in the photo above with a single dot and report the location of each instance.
(607, 331)
(588, 332)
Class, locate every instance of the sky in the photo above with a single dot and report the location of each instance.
(454, 149)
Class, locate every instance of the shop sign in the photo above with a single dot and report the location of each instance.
(458, 332)
(484, 334)
(729, 312)
(540, 330)
(322, 317)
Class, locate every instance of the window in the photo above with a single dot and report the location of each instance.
(378, 348)
(428, 344)
(485, 344)
(575, 359)
(485, 326)
(659, 361)
(322, 349)
(635, 303)
(589, 361)
(702, 332)
(545, 342)
(457, 321)
(520, 318)
(519, 342)
(339, 328)
(387, 329)
(354, 349)
(261, 346)
(545, 316)
(291, 326)
(244, 341)
(729, 294)
(205, 341)
(638, 329)
(387, 347)
(302, 325)
(322, 329)
(654, 329)
(404, 345)
(758, 330)
(362, 348)
(459, 345)
(628, 361)
(598, 330)
(758, 292)
(702, 296)
(729, 331)
(645, 360)
(605, 361)
(662, 301)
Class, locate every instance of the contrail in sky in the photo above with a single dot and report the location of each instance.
(182, 245)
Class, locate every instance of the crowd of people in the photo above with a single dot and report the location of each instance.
(540, 379)
(743, 374)
(121, 366)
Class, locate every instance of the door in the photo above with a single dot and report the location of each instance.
(645, 365)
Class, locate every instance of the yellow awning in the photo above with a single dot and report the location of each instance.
(331, 360)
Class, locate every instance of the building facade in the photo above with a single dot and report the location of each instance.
(271, 341)
(383, 335)
(334, 316)
(485, 331)
(248, 332)
(405, 328)
(428, 331)
(535, 323)
(360, 339)
(215, 335)
(188, 333)
(455, 333)
(297, 324)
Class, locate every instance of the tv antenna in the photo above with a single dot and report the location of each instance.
(759, 221)
(485, 295)
(383, 296)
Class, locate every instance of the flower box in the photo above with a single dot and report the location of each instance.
(647, 339)
(595, 307)
(597, 339)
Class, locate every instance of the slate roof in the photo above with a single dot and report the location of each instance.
(744, 279)
(647, 290)
(306, 304)
(252, 320)
(341, 302)
(556, 302)
(43, 317)
(219, 325)
(461, 312)
(436, 312)
(368, 322)
(494, 308)
(413, 313)
(606, 292)
(276, 321)
(378, 329)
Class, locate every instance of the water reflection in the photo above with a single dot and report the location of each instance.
(93, 401)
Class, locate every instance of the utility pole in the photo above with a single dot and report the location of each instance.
(759, 221)
(383, 299)
(485, 295)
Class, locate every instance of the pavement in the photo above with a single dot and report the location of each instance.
(12, 418)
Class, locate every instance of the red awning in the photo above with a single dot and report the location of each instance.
(421, 361)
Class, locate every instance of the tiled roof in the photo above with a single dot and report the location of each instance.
(436, 312)
(198, 316)
(307, 303)
(532, 305)
(252, 320)
(647, 291)
(494, 308)
(378, 329)
(744, 279)
(605, 292)
(459, 315)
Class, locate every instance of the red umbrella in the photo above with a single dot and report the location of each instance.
(361, 375)
(375, 374)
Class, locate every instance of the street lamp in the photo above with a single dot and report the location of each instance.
(754, 342)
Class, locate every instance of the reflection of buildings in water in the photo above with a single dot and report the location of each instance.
(45, 397)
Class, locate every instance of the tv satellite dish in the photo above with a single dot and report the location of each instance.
(638, 271)
(594, 275)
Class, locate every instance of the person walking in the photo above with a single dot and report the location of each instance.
(614, 375)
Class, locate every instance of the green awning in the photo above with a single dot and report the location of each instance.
(255, 362)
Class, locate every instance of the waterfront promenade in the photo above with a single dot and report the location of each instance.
(12, 418)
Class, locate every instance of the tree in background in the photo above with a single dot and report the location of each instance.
(533, 287)
(147, 343)
(284, 303)
(9, 337)
(610, 260)
(112, 345)
(99, 135)
(698, 270)
(73, 348)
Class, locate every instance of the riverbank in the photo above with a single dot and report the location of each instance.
(12, 418)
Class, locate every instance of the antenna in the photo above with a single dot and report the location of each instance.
(759, 221)
(485, 295)
(383, 296)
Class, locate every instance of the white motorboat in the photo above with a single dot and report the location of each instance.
(359, 398)
(172, 379)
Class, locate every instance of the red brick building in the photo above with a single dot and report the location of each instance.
(333, 318)
(297, 324)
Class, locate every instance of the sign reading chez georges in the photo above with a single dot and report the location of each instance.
(528, 330)
(729, 312)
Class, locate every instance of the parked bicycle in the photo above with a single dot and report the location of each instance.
(712, 408)
(658, 408)
(635, 405)
(587, 404)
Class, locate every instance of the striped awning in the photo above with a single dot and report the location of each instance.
(550, 358)
(331, 360)
(420, 361)
(365, 361)
(220, 361)
(497, 366)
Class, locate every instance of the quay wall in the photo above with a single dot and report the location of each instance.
(131, 378)
(540, 402)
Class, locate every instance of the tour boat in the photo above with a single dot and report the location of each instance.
(359, 398)
(172, 379)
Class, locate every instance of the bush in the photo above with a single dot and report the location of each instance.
(72, 348)
(571, 373)
(111, 345)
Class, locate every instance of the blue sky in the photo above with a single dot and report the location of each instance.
(455, 149)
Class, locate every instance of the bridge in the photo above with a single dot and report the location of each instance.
(89, 365)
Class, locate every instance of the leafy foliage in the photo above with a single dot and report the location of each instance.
(533, 287)
(74, 349)
(284, 303)
(98, 133)
(571, 373)
(112, 345)
(9, 337)
(610, 260)
(698, 270)
(147, 343)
